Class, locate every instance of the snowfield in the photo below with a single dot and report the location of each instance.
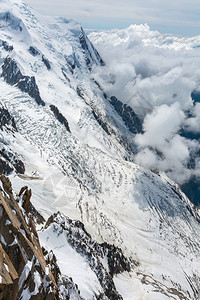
(90, 174)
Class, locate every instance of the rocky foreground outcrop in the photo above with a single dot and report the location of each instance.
(28, 271)
(24, 272)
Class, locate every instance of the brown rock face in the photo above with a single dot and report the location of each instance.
(26, 196)
(6, 184)
(24, 272)
(8, 278)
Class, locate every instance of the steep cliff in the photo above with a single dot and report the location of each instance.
(24, 271)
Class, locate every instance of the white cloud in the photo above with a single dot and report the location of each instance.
(160, 126)
(192, 124)
(161, 146)
(155, 74)
(163, 67)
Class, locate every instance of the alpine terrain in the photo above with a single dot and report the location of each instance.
(79, 219)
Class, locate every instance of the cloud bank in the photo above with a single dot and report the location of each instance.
(156, 74)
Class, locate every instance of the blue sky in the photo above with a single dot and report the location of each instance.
(176, 17)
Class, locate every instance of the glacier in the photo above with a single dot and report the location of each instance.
(89, 173)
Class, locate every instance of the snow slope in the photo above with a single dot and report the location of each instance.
(158, 76)
(89, 174)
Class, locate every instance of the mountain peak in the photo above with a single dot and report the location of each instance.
(9, 5)
(72, 143)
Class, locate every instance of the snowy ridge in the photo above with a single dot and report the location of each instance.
(158, 76)
(103, 259)
(89, 174)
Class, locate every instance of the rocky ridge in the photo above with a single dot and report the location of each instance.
(24, 271)
(94, 253)
(13, 76)
(140, 237)
(9, 159)
(30, 271)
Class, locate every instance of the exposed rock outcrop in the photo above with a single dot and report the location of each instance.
(5, 166)
(100, 119)
(6, 46)
(27, 270)
(6, 119)
(9, 160)
(24, 272)
(91, 54)
(36, 216)
(128, 115)
(12, 160)
(101, 123)
(33, 51)
(94, 253)
(59, 116)
(11, 21)
(46, 62)
(13, 76)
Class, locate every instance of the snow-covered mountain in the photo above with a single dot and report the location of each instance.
(158, 76)
(118, 231)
